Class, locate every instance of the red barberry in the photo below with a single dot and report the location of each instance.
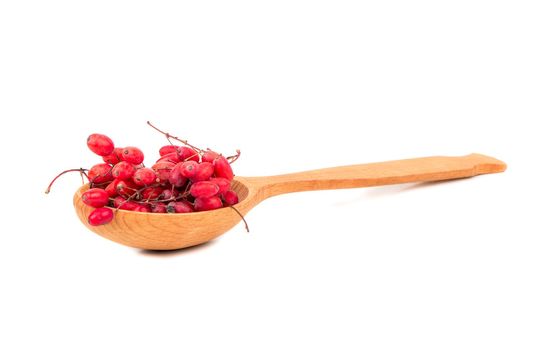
(158, 207)
(205, 171)
(169, 194)
(100, 144)
(170, 157)
(223, 168)
(162, 169)
(189, 169)
(144, 176)
(168, 149)
(230, 197)
(95, 197)
(111, 188)
(100, 216)
(123, 204)
(151, 193)
(179, 207)
(126, 188)
(207, 203)
(100, 173)
(123, 170)
(209, 156)
(187, 153)
(175, 178)
(115, 157)
(204, 189)
(133, 155)
(224, 184)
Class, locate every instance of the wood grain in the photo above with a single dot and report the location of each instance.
(175, 231)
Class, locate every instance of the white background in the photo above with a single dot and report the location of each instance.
(296, 86)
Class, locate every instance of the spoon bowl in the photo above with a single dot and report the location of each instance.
(166, 231)
(174, 231)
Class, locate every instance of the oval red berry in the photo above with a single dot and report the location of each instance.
(175, 178)
(123, 170)
(158, 208)
(230, 197)
(100, 173)
(209, 156)
(162, 169)
(188, 169)
(224, 184)
(100, 144)
(223, 168)
(168, 149)
(205, 171)
(100, 216)
(204, 189)
(95, 197)
(133, 155)
(144, 176)
(187, 153)
(209, 203)
(179, 207)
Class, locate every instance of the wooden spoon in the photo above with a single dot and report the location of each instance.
(174, 231)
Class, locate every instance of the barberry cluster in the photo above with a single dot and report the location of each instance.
(184, 179)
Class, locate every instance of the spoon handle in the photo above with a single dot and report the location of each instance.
(377, 174)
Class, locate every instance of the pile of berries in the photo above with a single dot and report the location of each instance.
(184, 179)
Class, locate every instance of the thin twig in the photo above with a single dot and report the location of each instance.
(242, 217)
(82, 171)
(233, 158)
(92, 182)
(136, 193)
(168, 136)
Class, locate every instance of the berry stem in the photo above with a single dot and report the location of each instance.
(135, 195)
(82, 172)
(168, 136)
(233, 158)
(171, 199)
(242, 217)
(92, 182)
(191, 157)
